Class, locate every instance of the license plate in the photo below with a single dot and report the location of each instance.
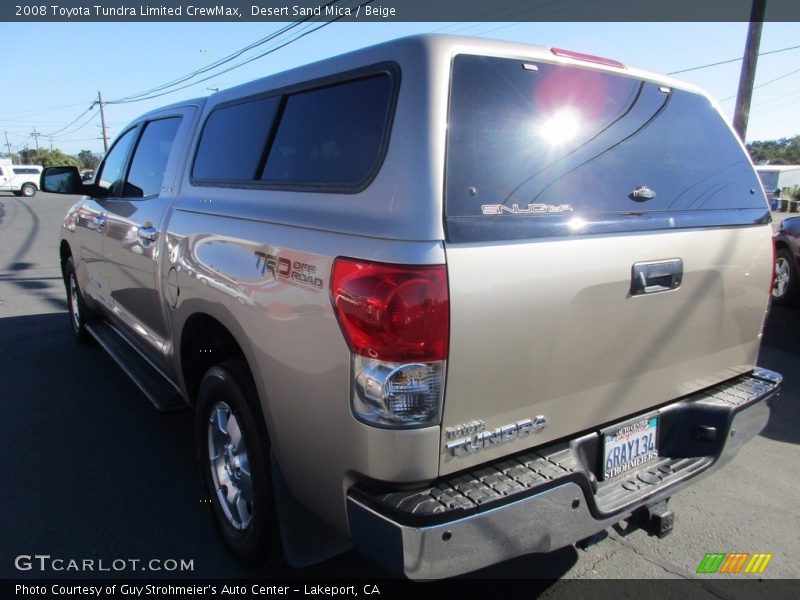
(629, 446)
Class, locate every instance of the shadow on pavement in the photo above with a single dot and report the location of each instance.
(780, 351)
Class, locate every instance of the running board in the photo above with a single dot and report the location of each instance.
(158, 389)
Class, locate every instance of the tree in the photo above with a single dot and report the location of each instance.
(88, 160)
(785, 151)
(48, 158)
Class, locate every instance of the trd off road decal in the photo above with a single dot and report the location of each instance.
(289, 269)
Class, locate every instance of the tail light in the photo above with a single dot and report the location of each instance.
(395, 320)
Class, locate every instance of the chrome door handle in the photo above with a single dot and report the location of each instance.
(148, 233)
(100, 221)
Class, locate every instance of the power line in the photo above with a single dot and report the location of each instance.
(779, 107)
(272, 49)
(42, 110)
(209, 67)
(92, 117)
(760, 85)
(152, 93)
(69, 124)
(163, 90)
(139, 96)
(724, 62)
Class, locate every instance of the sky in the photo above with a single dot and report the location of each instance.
(52, 72)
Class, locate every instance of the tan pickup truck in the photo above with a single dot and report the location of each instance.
(448, 300)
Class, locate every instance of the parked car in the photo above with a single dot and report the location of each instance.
(447, 300)
(21, 180)
(787, 262)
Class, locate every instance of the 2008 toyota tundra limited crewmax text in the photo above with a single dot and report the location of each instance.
(447, 300)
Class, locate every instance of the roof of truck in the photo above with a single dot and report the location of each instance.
(444, 47)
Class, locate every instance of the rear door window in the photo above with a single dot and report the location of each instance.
(331, 135)
(323, 137)
(233, 140)
(539, 149)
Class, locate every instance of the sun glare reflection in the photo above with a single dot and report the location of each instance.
(561, 127)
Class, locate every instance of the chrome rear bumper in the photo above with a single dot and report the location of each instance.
(543, 500)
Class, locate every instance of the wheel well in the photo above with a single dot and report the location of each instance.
(205, 342)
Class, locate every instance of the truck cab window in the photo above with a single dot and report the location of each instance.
(114, 164)
(150, 158)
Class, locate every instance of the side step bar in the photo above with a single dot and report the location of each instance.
(159, 390)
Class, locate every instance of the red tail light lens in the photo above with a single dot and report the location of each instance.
(392, 312)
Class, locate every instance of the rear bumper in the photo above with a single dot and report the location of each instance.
(546, 499)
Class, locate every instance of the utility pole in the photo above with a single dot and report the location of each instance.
(102, 121)
(35, 135)
(8, 146)
(748, 74)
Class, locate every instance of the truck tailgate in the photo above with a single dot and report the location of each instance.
(550, 329)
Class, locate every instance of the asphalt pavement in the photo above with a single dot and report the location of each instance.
(92, 471)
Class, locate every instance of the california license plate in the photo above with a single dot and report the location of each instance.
(630, 445)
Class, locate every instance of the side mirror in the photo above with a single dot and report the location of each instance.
(62, 180)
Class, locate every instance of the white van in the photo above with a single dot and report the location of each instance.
(23, 180)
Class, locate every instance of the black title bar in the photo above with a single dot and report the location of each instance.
(372, 11)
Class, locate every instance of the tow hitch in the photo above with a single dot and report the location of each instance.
(656, 520)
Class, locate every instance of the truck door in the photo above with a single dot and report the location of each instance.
(90, 220)
(134, 239)
(5, 182)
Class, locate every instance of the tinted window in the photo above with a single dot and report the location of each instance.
(559, 142)
(331, 135)
(233, 140)
(150, 158)
(114, 163)
(26, 171)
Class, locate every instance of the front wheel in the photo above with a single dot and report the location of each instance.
(233, 450)
(78, 312)
(787, 288)
(28, 190)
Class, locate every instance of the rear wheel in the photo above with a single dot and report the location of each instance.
(233, 449)
(28, 190)
(78, 312)
(787, 288)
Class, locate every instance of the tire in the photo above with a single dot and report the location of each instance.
(786, 290)
(232, 441)
(28, 190)
(79, 314)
